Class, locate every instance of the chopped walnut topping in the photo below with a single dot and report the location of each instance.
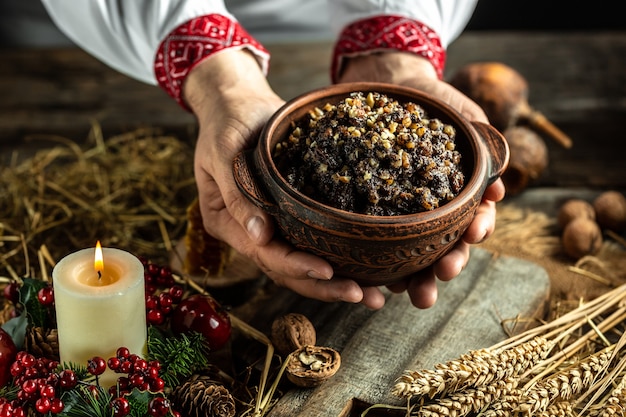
(370, 154)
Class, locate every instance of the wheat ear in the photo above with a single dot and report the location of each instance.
(475, 368)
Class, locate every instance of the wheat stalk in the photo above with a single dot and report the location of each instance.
(558, 387)
(475, 368)
(566, 367)
(467, 401)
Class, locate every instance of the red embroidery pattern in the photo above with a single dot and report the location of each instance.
(382, 33)
(194, 41)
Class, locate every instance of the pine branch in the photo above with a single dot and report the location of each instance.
(179, 356)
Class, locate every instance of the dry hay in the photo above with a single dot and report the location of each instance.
(129, 191)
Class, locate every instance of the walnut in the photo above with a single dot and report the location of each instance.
(581, 237)
(292, 331)
(309, 366)
(610, 209)
(573, 209)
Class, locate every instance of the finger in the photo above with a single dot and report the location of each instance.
(373, 298)
(283, 263)
(453, 262)
(336, 289)
(483, 224)
(398, 287)
(422, 289)
(495, 192)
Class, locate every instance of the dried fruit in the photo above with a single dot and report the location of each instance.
(309, 366)
(292, 331)
(610, 207)
(581, 237)
(573, 209)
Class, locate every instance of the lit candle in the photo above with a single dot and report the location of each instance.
(100, 306)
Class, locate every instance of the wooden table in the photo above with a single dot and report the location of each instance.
(377, 346)
(576, 79)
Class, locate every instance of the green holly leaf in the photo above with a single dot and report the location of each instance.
(36, 313)
(139, 401)
(16, 328)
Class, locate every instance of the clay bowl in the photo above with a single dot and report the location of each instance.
(372, 250)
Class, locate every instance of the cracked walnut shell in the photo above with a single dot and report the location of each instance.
(309, 366)
(291, 331)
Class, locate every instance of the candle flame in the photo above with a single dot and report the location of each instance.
(98, 263)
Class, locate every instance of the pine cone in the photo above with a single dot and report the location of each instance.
(202, 396)
(42, 342)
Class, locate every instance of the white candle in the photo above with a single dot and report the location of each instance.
(100, 306)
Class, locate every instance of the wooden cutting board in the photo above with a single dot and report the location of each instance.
(377, 346)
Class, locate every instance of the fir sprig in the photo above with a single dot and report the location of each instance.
(86, 401)
(179, 356)
(81, 372)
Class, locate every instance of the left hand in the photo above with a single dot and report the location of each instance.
(414, 71)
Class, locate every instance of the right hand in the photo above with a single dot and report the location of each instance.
(232, 101)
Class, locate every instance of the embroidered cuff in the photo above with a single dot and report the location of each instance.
(384, 33)
(196, 40)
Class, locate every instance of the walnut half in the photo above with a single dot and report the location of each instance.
(309, 366)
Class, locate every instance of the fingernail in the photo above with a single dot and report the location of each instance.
(316, 275)
(254, 226)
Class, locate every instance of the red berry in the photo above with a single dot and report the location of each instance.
(123, 352)
(56, 405)
(125, 367)
(152, 302)
(140, 365)
(96, 365)
(157, 385)
(153, 270)
(120, 407)
(8, 352)
(30, 387)
(165, 300)
(42, 405)
(11, 292)
(68, 379)
(176, 292)
(204, 315)
(114, 363)
(159, 407)
(46, 296)
(155, 316)
(47, 391)
(27, 360)
(136, 380)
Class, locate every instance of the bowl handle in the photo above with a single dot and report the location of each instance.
(243, 164)
(498, 149)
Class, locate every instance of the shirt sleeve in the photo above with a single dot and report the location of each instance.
(422, 27)
(126, 34)
(447, 18)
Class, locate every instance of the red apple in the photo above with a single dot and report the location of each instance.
(8, 350)
(203, 314)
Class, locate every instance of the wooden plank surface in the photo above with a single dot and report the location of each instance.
(376, 347)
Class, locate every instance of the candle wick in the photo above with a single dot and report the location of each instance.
(99, 274)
